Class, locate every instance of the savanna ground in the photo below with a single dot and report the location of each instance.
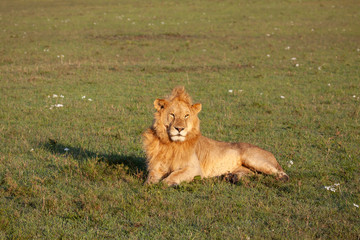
(77, 85)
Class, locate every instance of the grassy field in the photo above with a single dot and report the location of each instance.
(77, 85)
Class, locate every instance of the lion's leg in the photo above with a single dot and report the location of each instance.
(185, 174)
(263, 161)
(242, 171)
(182, 175)
(153, 177)
(238, 174)
(156, 174)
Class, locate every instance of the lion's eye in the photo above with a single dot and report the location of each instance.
(187, 116)
(172, 115)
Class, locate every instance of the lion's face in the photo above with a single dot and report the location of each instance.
(178, 118)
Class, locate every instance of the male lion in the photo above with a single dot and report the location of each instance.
(176, 151)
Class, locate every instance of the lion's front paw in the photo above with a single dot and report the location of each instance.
(170, 183)
(151, 180)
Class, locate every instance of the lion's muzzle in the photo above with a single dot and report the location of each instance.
(178, 134)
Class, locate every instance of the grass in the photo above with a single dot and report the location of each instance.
(124, 54)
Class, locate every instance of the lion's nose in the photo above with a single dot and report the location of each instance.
(179, 129)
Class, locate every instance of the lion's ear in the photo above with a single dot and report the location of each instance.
(160, 104)
(196, 107)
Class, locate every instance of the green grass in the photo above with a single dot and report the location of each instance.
(124, 54)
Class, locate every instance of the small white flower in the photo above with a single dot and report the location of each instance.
(230, 90)
(268, 35)
(290, 163)
(312, 29)
(268, 55)
(48, 96)
(282, 97)
(319, 68)
(58, 105)
(329, 84)
(293, 59)
(62, 96)
(354, 96)
(330, 188)
(90, 99)
(55, 96)
(358, 50)
(66, 149)
(83, 97)
(355, 205)
(287, 48)
(162, 23)
(31, 150)
(297, 65)
(333, 187)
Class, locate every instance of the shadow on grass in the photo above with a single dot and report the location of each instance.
(135, 164)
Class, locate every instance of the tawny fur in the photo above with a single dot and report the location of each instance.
(176, 151)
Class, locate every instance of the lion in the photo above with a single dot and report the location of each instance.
(177, 152)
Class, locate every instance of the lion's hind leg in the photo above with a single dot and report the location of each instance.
(263, 161)
(238, 174)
